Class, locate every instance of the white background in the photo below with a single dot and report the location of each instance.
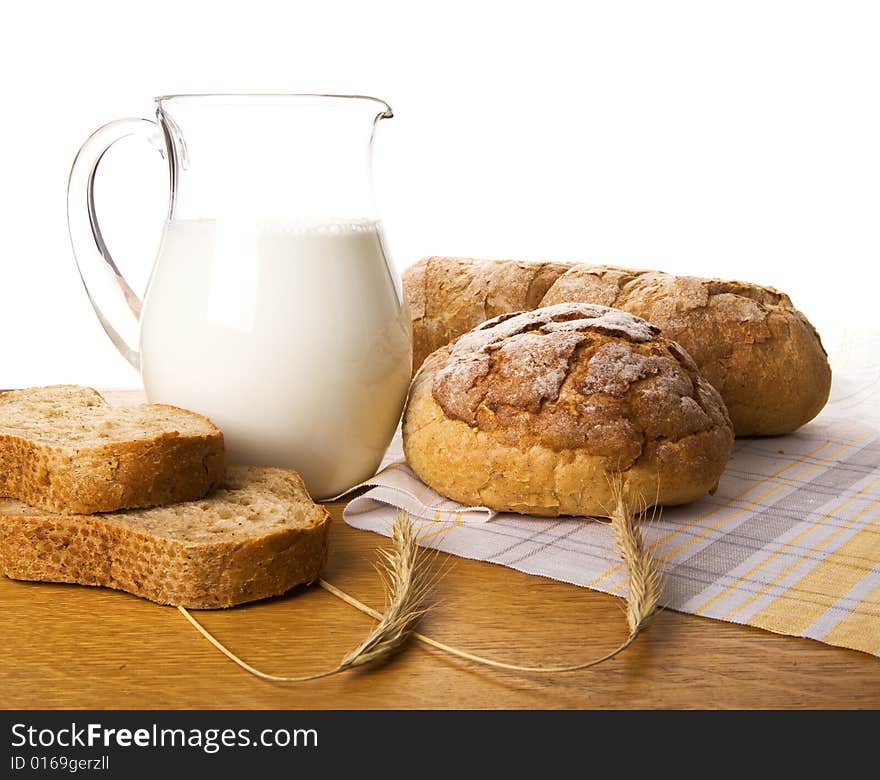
(736, 139)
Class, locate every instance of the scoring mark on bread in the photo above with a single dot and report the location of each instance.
(531, 351)
(616, 366)
(532, 368)
(571, 376)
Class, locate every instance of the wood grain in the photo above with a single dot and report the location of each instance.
(67, 646)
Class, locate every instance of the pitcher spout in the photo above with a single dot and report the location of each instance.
(280, 156)
(385, 110)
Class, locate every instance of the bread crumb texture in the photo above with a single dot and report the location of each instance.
(258, 535)
(65, 449)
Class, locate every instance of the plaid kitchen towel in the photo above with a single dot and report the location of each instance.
(790, 542)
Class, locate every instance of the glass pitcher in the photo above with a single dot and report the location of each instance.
(272, 307)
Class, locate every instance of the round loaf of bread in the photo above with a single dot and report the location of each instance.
(749, 342)
(540, 412)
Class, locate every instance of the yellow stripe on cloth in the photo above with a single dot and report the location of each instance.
(809, 528)
(724, 505)
(796, 609)
(858, 630)
(704, 532)
(791, 567)
(459, 520)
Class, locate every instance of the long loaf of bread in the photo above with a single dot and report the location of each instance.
(761, 354)
(448, 296)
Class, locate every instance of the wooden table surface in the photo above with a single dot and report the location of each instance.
(66, 646)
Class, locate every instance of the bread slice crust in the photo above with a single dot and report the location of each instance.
(66, 450)
(258, 535)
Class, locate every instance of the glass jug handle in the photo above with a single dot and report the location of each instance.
(118, 307)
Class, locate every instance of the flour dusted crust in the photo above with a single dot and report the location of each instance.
(535, 412)
(448, 296)
(748, 341)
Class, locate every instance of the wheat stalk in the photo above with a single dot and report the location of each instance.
(642, 601)
(407, 584)
(405, 574)
(643, 595)
(643, 572)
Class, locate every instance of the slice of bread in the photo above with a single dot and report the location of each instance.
(256, 536)
(65, 449)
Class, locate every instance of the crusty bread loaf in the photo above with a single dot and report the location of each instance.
(748, 341)
(65, 449)
(448, 296)
(256, 536)
(537, 412)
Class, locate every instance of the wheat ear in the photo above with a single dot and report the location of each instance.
(643, 572)
(643, 596)
(405, 573)
(406, 582)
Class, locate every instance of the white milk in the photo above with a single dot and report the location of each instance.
(292, 338)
